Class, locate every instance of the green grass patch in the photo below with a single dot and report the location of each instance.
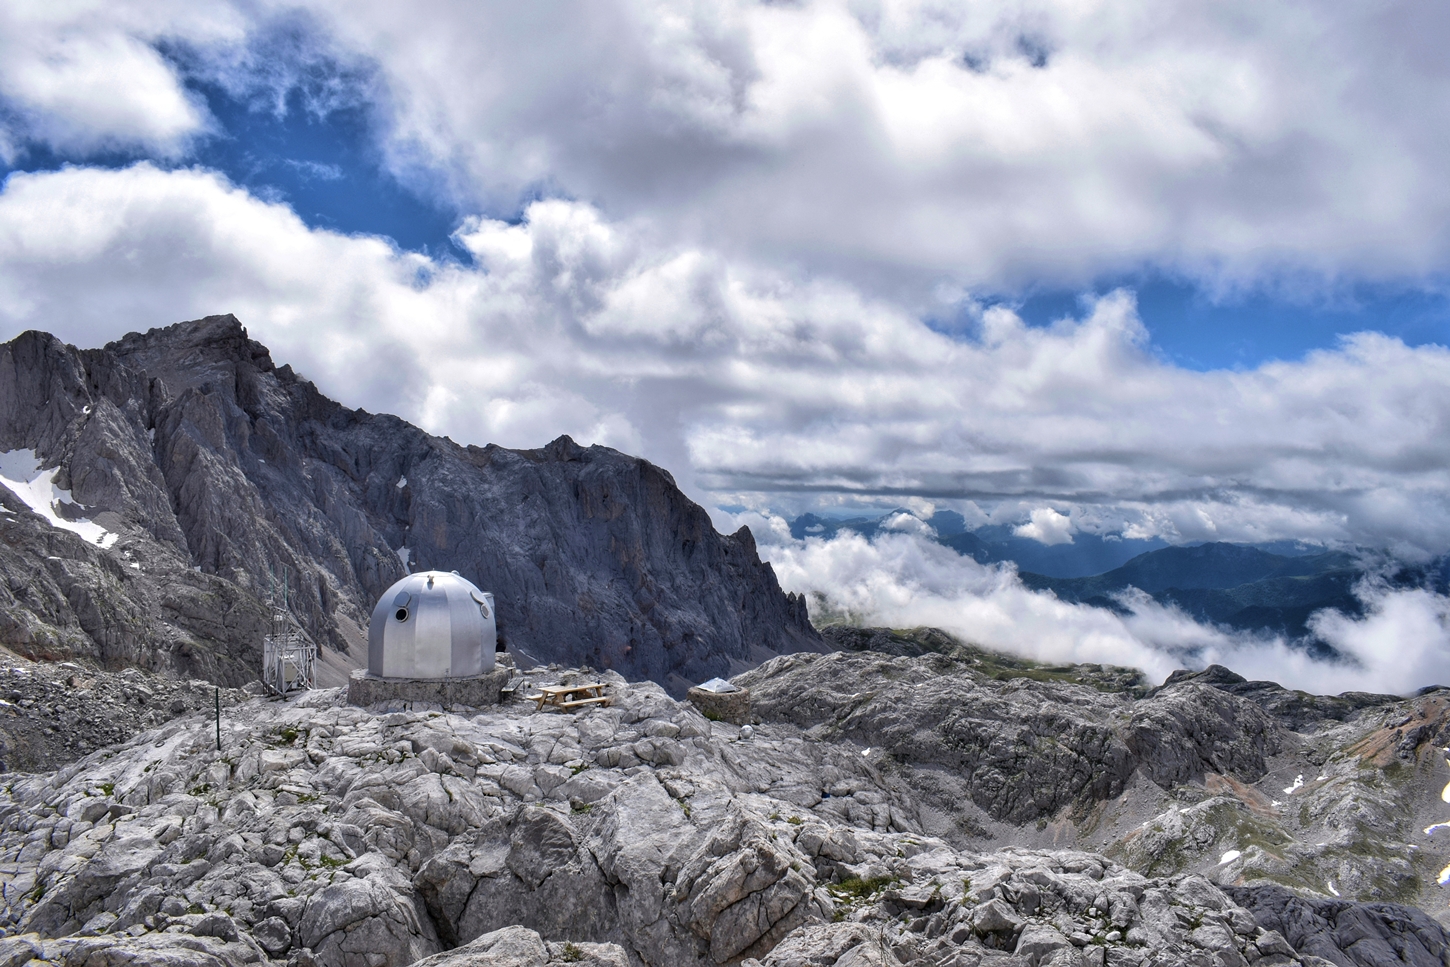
(855, 889)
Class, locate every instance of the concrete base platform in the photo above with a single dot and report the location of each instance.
(732, 707)
(481, 690)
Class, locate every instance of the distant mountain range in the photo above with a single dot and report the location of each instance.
(1087, 555)
(1272, 587)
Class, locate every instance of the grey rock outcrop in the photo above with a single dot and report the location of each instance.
(1024, 748)
(216, 469)
(1345, 933)
(521, 947)
(1242, 782)
(339, 835)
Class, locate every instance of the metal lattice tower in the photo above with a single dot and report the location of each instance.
(289, 659)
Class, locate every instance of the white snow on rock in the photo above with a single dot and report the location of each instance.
(402, 482)
(1229, 857)
(403, 555)
(1298, 784)
(20, 470)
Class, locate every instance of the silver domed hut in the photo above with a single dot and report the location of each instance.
(433, 624)
(431, 639)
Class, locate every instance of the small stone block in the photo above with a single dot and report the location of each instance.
(732, 707)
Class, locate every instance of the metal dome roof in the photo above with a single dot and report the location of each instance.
(433, 624)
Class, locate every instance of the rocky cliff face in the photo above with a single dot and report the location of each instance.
(642, 833)
(203, 472)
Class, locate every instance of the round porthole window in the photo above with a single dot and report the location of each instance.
(401, 614)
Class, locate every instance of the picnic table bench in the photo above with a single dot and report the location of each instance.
(562, 696)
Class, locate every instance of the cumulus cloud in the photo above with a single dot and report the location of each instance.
(754, 385)
(1401, 643)
(905, 142)
(1047, 526)
(81, 78)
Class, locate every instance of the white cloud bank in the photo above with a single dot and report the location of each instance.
(750, 383)
(909, 144)
(1401, 643)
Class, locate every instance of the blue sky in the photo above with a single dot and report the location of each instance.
(1200, 330)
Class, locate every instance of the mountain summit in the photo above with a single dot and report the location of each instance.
(160, 489)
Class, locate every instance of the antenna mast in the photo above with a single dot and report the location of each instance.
(289, 658)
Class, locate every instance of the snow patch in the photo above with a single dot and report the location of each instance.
(1298, 784)
(1445, 876)
(1229, 856)
(403, 555)
(402, 482)
(1430, 830)
(1330, 884)
(20, 470)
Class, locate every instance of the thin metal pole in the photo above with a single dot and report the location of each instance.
(218, 719)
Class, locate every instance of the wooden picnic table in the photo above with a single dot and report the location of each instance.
(561, 696)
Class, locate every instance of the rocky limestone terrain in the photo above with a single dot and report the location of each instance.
(644, 833)
(207, 475)
(52, 713)
(1242, 782)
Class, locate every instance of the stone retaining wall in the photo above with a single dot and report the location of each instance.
(478, 691)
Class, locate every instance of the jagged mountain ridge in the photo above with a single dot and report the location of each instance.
(216, 469)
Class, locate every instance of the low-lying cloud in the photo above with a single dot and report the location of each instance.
(1400, 643)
